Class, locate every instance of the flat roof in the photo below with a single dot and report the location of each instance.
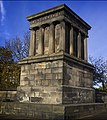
(60, 7)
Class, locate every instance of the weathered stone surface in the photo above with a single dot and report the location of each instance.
(50, 112)
(77, 76)
(36, 99)
(50, 75)
(46, 75)
(76, 95)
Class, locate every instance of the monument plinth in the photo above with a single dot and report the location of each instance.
(57, 70)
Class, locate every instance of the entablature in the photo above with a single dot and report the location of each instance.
(59, 13)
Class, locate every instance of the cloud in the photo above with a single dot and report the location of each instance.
(2, 12)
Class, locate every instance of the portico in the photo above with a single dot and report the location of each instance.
(56, 37)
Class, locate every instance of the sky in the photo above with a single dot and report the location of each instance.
(13, 20)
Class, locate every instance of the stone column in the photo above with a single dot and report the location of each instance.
(41, 42)
(32, 43)
(52, 39)
(62, 36)
(79, 45)
(71, 40)
(85, 49)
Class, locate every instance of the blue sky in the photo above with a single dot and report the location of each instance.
(13, 20)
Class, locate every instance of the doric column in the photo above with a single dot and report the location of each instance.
(52, 39)
(85, 49)
(62, 36)
(41, 42)
(79, 45)
(32, 43)
(71, 40)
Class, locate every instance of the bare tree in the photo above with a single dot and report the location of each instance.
(100, 71)
(19, 47)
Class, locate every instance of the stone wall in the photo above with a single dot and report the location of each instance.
(77, 83)
(100, 96)
(50, 112)
(41, 82)
(7, 95)
(32, 110)
(76, 95)
(83, 110)
(55, 79)
(77, 75)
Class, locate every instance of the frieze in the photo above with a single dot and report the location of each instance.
(46, 17)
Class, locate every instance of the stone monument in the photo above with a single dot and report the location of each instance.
(57, 70)
(56, 78)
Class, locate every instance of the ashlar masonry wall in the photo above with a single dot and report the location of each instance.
(55, 81)
(41, 82)
(77, 83)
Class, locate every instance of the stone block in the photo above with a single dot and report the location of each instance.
(58, 109)
(26, 72)
(22, 68)
(42, 65)
(28, 67)
(57, 70)
(48, 76)
(48, 65)
(57, 63)
(40, 76)
(35, 89)
(56, 83)
(48, 71)
(36, 99)
(38, 82)
(22, 77)
(43, 94)
(45, 82)
(31, 83)
(32, 66)
(26, 89)
(34, 72)
(57, 76)
(60, 64)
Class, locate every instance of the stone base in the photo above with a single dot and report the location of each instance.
(77, 95)
(55, 95)
(39, 94)
(51, 112)
(55, 79)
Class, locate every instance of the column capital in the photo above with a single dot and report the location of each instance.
(44, 25)
(34, 28)
(62, 21)
(55, 22)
